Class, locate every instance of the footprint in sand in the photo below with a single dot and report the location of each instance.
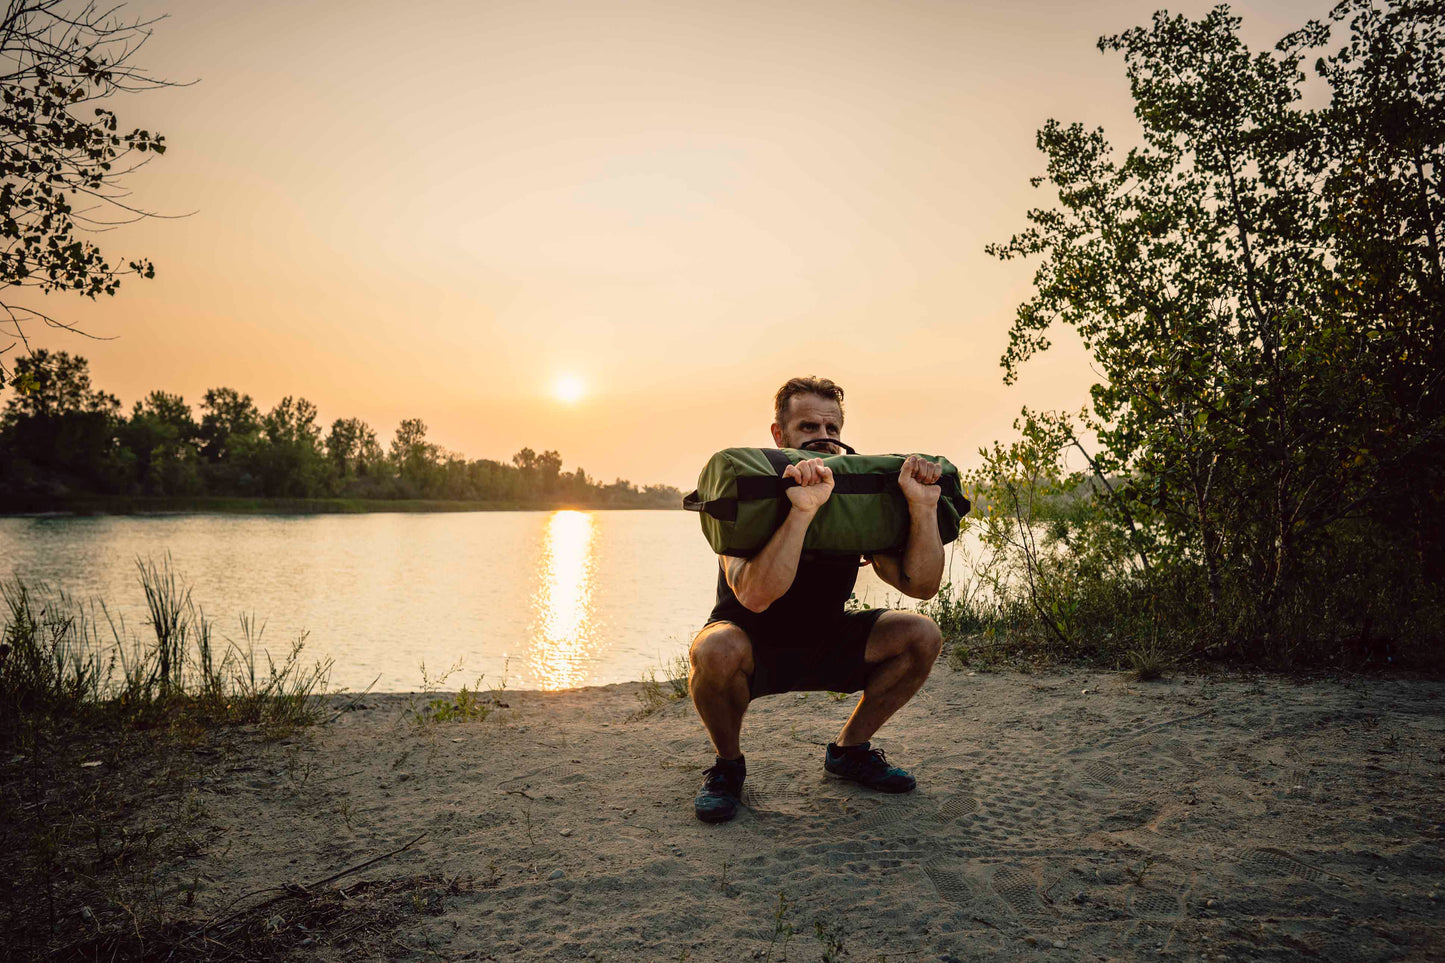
(957, 806)
(863, 860)
(1268, 861)
(1016, 887)
(771, 788)
(534, 778)
(949, 883)
(1150, 905)
(885, 815)
(1111, 777)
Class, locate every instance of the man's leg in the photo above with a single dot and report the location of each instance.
(722, 658)
(902, 648)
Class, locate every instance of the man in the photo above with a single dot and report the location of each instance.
(779, 624)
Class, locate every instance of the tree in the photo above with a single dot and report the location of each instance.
(290, 462)
(229, 417)
(414, 457)
(61, 434)
(352, 448)
(1259, 287)
(163, 435)
(57, 59)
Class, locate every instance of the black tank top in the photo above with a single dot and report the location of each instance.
(820, 588)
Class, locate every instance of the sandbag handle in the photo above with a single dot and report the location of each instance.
(805, 446)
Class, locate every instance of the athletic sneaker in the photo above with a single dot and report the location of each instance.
(866, 766)
(722, 788)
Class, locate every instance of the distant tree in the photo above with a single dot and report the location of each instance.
(549, 469)
(290, 462)
(525, 460)
(57, 59)
(352, 449)
(414, 458)
(163, 435)
(230, 419)
(61, 434)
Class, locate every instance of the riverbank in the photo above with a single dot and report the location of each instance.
(1060, 815)
(196, 505)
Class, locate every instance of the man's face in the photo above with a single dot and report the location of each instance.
(808, 417)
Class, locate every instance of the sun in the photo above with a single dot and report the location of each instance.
(569, 389)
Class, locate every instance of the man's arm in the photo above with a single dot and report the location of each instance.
(761, 580)
(918, 572)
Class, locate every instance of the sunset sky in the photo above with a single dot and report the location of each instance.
(462, 211)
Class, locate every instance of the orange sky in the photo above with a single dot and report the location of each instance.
(437, 209)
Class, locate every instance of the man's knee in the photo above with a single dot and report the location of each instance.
(720, 652)
(925, 641)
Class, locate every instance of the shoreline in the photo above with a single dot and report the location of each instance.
(227, 505)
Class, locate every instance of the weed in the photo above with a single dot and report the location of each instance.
(1148, 662)
(464, 706)
(1137, 874)
(830, 936)
(837, 696)
(725, 887)
(657, 693)
(781, 928)
(959, 611)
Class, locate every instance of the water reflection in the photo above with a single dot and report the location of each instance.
(564, 634)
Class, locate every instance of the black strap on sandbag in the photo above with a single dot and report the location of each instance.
(768, 487)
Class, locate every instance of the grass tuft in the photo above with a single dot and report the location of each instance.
(64, 659)
(658, 693)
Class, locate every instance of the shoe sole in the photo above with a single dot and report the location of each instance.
(892, 792)
(719, 818)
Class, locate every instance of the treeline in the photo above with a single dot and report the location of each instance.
(60, 438)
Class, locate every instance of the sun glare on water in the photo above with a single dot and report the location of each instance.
(569, 389)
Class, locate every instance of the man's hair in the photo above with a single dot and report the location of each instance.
(804, 386)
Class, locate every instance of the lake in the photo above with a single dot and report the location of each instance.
(547, 599)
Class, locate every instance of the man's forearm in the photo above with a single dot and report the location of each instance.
(923, 558)
(761, 580)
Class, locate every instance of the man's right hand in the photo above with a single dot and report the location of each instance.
(815, 484)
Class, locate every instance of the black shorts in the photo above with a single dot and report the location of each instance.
(821, 654)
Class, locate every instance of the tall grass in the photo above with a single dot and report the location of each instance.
(60, 657)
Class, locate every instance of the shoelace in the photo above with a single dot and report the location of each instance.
(876, 757)
(715, 777)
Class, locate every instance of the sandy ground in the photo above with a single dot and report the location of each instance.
(1063, 816)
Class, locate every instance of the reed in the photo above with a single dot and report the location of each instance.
(64, 658)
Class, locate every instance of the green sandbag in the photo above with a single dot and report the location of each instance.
(741, 498)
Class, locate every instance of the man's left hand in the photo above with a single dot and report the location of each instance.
(918, 479)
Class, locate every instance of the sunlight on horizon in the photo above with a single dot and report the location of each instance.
(564, 635)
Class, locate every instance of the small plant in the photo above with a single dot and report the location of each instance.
(832, 940)
(464, 706)
(781, 928)
(1146, 664)
(1138, 873)
(725, 887)
(658, 693)
(837, 696)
